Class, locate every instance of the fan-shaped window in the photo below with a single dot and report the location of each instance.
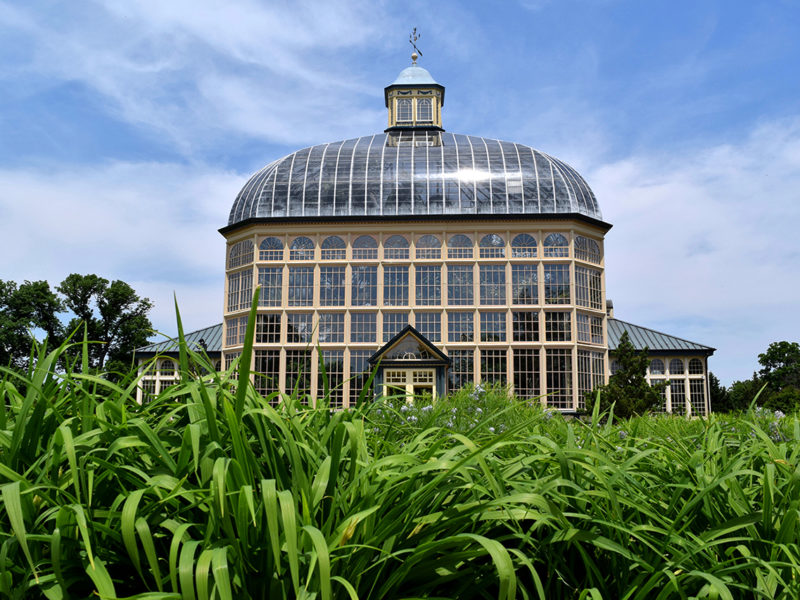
(587, 249)
(556, 244)
(404, 109)
(270, 248)
(395, 247)
(429, 246)
(523, 246)
(333, 248)
(365, 248)
(615, 366)
(302, 248)
(676, 366)
(493, 246)
(695, 367)
(459, 246)
(656, 366)
(424, 110)
(167, 368)
(241, 254)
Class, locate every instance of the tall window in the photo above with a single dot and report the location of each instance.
(268, 328)
(266, 371)
(331, 286)
(582, 324)
(493, 284)
(587, 288)
(363, 327)
(677, 394)
(459, 246)
(299, 328)
(526, 372)
(240, 290)
(393, 323)
(523, 246)
(395, 286)
(429, 246)
(333, 364)
(492, 246)
(559, 377)
(365, 248)
(526, 326)
(403, 110)
(424, 110)
(461, 369)
(460, 327)
(395, 248)
(597, 330)
(298, 372)
(524, 284)
(302, 248)
(430, 325)
(359, 373)
(556, 245)
(301, 286)
(364, 288)
(333, 248)
(557, 326)
(493, 366)
(271, 281)
(493, 326)
(235, 329)
(331, 328)
(429, 285)
(270, 248)
(459, 285)
(241, 254)
(697, 398)
(556, 284)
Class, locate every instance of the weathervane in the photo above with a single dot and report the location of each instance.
(412, 39)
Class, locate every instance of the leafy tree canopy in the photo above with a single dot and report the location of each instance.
(781, 365)
(24, 308)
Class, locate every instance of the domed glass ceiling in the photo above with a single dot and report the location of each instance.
(414, 173)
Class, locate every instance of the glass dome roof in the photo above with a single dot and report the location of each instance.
(414, 173)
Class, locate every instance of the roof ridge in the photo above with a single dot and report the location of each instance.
(660, 333)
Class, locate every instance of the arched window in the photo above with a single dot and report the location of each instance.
(403, 109)
(270, 248)
(695, 367)
(492, 246)
(656, 366)
(587, 249)
(615, 366)
(459, 246)
(556, 244)
(676, 366)
(365, 248)
(395, 247)
(333, 248)
(424, 110)
(523, 246)
(241, 254)
(302, 248)
(429, 246)
(167, 368)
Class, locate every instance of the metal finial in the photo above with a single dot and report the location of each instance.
(412, 39)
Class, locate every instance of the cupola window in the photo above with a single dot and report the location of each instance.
(404, 110)
(424, 110)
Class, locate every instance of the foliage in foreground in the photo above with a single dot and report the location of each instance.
(209, 491)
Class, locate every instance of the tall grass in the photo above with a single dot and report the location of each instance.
(210, 492)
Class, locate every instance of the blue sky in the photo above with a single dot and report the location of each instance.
(126, 130)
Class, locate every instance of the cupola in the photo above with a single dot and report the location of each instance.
(414, 100)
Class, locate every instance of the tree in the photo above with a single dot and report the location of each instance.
(781, 372)
(25, 309)
(720, 400)
(627, 389)
(114, 315)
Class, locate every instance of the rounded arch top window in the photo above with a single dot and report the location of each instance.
(270, 248)
(695, 366)
(587, 249)
(302, 248)
(615, 366)
(395, 247)
(492, 246)
(365, 248)
(459, 246)
(404, 109)
(656, 366)
(556, 244)
(523, 246)
(333, 248)
(429, 246)
(167, 367)
(241, 254)
(676, 366)
(424, 109)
